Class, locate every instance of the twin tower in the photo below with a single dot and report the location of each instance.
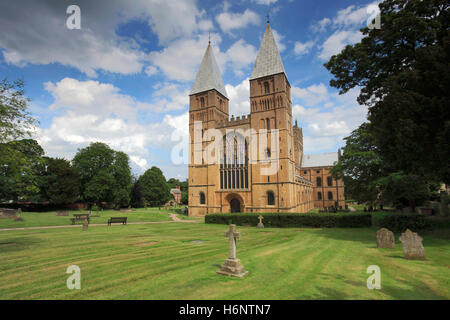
(257, 167)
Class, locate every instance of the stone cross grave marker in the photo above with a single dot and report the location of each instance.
(385, 239)
(412, 245)
(260, 224)
(232, 266)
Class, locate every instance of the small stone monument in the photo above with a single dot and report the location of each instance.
(412, 245)
(260, 224)
(85, 225)
(385, 239)
(232, 266)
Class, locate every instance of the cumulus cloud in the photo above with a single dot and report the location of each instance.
(312, 94)
(94, 111)
(321, 25)
(229, 21)
(180, 60)
(240, 55)
(344, 26)
(326, 117)
(302, 48)
(38, 34)
(337, 41)
(239, 98)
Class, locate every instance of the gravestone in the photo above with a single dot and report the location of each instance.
(232, 266)
(412, 245)
(62, 213)
(260, 224)
(385, 239)
(85, 225)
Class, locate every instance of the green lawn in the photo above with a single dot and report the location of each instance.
(38, 219)
(159, 261)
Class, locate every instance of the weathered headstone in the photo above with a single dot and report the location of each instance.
(62, 213)
(385, 239)
(232, 266)
(412, 245)
(85, 225)
(260, 224)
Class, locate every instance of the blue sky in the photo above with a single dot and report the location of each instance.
(125, 76)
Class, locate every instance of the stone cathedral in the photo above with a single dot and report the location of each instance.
(234, 183)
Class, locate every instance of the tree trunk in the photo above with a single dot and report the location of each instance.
(412, 205)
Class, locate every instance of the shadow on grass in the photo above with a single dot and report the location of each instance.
(436, 238)
(421, 292)
(16, 244)
(366, 236)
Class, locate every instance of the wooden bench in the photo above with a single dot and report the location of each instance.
(80, 217)
(122, 220)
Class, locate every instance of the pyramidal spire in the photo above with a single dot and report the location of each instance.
(208, 76)
(268, 60)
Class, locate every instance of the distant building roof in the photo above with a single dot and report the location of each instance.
(208, 76)
(319, 160)
(175, 190)
(268, 61)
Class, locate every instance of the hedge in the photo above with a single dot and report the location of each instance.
(294, 220)
(415, 222)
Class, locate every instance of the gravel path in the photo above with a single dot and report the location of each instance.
(174, 219)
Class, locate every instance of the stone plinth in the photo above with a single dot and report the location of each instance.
(233, 268)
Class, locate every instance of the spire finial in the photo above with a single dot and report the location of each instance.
(209, 38)
(268, 17)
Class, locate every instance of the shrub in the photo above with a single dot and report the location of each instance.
(294, 220)
(400, 222)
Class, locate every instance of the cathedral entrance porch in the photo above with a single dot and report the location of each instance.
(235, 205)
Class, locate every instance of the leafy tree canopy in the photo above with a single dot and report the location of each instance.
(403, 71)
(15, 120)
(21, 168)
(105, 174)
(154, 186)
(59, 184)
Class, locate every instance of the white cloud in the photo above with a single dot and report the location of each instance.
(351, 16)
(239, 98)
(302, 48)
(94, 111)
(321, 25)
(180, 60)
(240, 55)
(337, 41)
(311, 95)
(229, 21)
(329, 118)
(264, 2)
(151, 70)
(38, 34)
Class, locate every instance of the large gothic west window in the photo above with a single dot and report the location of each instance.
(234, 162)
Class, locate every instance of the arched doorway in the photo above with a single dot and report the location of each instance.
(235, 205)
